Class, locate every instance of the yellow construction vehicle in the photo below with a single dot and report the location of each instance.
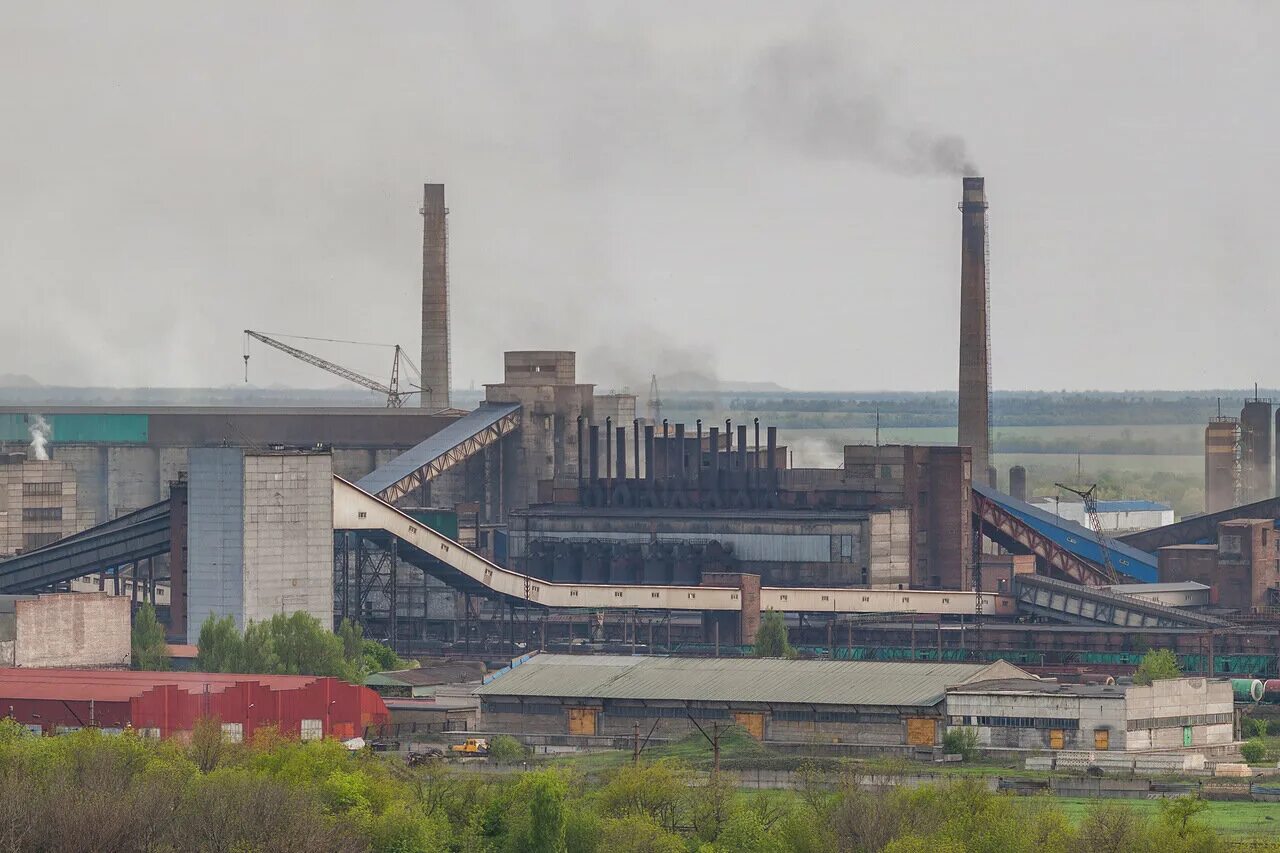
(473, 746)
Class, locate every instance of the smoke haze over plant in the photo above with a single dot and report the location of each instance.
(750, 191)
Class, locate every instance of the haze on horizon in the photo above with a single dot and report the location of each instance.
(726, 188)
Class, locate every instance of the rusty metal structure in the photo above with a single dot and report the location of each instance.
(435, 299)
(975, 344)
(1221, 463)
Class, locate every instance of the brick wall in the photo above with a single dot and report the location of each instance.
(72, 630)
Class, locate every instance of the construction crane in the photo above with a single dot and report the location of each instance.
(395, 397)
(1089, 496)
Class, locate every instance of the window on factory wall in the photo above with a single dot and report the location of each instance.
(42, 513)
(233, 732)
(41, 489)
(1229, 544)
(32, 541)
(312, 729)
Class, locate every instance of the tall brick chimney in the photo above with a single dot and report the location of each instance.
(435, 299)
(975, 345)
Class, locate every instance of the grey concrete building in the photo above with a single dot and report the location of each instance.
(125, 457)
(39, 504)
(848, 702)
(260, 536)
(1036, 714)
(544, 383)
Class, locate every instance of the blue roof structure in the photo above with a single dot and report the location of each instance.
(1133, 506)
(1075, 538)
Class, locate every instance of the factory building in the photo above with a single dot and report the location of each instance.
(1221, 463)
(783, 547)
(38, 503)
(73, 629)
(1114, 516)
(1241, 566)
(545, 385)
(848, 702)
(1255, 451)
(1038, 714)
(125, 458)
(168, 704)
(1178, 594)
(259, 536)
(894, 516)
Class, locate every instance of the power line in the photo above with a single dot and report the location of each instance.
(330, 340)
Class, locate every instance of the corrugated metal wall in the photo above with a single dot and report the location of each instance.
(215, 536)
(80, 429)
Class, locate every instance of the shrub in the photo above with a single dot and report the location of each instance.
(1254, 751)
(1157, 665)
(1255, 727)
(504, 749)
(963, 741)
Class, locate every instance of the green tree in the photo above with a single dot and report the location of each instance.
(220, 646)
(961, 741)
(376, 657)
(352, 635)
(655, 790)
(305, 647)
(1157, 665)
(296, 644)
(149, 649)
(771, 637)
(638, 833)
(547, 814)
(1254, 751)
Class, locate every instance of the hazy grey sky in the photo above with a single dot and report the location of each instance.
(762, 190)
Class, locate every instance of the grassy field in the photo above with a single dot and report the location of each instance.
(1101, 462)
(1230, 818)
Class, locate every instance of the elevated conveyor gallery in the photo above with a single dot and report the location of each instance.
(1200, 529)
(1063, 545)
(127, 539)
(455, 443)
(1070, 602)
(441, 557)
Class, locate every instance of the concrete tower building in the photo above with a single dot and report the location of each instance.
(1255, 450)
(975, 345)
(435, 299)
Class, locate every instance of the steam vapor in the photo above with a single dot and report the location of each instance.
(41, 432)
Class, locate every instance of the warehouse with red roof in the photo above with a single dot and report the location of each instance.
(168, 704)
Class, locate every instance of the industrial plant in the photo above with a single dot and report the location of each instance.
(621, 563)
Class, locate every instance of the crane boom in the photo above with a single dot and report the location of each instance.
(394, 398)
(1089, 496)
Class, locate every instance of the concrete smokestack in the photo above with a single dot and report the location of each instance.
(975, 345)
(435, 299)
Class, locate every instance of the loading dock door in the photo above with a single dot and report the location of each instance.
(753, 723)
(921, 731)
(582, 721)
(1055, 738)
(1101, 739)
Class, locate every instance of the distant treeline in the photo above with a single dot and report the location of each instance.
(939, 410)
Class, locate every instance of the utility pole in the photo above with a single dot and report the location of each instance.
(637, 745)
(714, 740)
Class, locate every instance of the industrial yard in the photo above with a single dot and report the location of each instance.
(586, 428)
